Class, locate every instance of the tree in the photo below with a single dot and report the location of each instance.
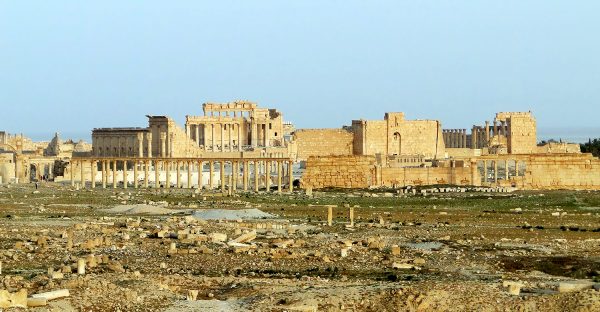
(592, 146)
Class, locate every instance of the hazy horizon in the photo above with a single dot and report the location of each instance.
(73, 66)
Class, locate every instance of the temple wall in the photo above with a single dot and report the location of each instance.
(339, 171)
(563, 171)
(323, 142)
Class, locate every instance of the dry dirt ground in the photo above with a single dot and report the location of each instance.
(151, 250)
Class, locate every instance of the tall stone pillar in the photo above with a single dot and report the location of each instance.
(171, 145)
(267, 135)
(268, 165)
(72, 173)
(229, 130)
(189, 174)
(167, 165)
(222, 137)
(474, 173)
(156, 174)
(256, 175)
(104, 174)
(163, 144)
(212, 137)
(187, 130)
(239, 137)
(140, 141)
(495, 128)
(135, 174)
(94, 169)
(124, 174)
(222, 173)
(279, 176)
(254, 134)
(245, 175)
(178, 164)
(291, 175)
(200, 170)
(487, 134)
(464, 138)
(82, 179)
(496, 171)
(114, 174)
(197, 135)
(474, 137)
(211, 170)
(506, 175)
(485, 171)
(234, 175)
(149, 144)
(146, 173)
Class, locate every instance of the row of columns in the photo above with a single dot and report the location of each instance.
(455, 138)
(259, 134)
(261, 169)
(494, 163)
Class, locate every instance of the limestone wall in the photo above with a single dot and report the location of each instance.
(323, 142)
(339, 171)
(522, 136)
(427, 176)
(563, 171)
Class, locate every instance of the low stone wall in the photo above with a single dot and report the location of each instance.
(427, 176)
(339, 171)
(563, 171)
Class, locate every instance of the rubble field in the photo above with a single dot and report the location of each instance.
(441, 249)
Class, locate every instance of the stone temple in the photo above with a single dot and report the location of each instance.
(241, 146)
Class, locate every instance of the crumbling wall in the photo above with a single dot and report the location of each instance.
(563, 171)
(323, 142)
(339, 171)
(427, 176)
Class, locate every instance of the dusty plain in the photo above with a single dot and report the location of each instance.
(143, 250)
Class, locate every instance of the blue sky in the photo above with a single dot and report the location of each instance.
(70, 66)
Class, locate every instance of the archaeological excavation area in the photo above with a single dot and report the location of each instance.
(237, 210)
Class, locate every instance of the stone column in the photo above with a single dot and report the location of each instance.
(256, 175)
(496, 171)
(146, 173)
(171, 145)
(474, 172)
(94, 169)
(506, 175)
(239, 136)
(187, 130)
(229, 130)
(291, 175)
(114, 174)
(254, 134)
(211, 170)
(178, 164)
(140, 140)
(72, 172)
(222, 173)
(474, 137)
(329, 215)
(82, 179)
(234, 175)
(135, 174)
(163, 144)
(124, 174)
(212, 137)
(200, 169)
(189, 174)
(197, 135)
(167, 165)
(156, 174)
(267, 135)
(149, 143)
(485, 175)
(495, 128)
(222, 137)
(245, 175)
(487, 133)
(268, 164)
(279, 176)
(104, 174)
(351, 216)
(464, 138)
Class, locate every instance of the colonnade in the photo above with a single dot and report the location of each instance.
(455, 138)
(234, 173)
(501, 169)
(228, 136)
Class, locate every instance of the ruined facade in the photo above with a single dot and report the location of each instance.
(223, 130)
